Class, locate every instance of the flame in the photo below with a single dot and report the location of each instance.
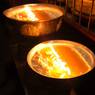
(31, 15)
(58, 65)
(52, 63)
(47, 61)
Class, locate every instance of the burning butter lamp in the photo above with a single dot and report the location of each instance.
(61, 59)
(35, 19)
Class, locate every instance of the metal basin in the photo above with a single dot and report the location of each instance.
(35, 19)
(61, 59)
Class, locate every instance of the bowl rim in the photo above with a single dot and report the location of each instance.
(61, 9)
(29, 56)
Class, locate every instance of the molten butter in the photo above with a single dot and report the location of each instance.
(58, 60)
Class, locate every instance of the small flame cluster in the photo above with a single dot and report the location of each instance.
(26, 14)
(31, 15)
(50, 64)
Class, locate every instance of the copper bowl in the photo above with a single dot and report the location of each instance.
(35, 19)
(61, 59)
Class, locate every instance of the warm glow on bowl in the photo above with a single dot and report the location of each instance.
(34, 12)
(35, 19)
(61, 59)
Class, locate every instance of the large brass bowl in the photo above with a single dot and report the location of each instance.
(47, 18)
(61, 59)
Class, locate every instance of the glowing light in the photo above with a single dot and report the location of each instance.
(51, 63)
(30, 14)
(58, 64)
(58, 60)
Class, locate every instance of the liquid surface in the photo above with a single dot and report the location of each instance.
(61, 61)
(36, 14)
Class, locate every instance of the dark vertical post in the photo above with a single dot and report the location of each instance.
(90, 15)
(66, 7)
(80, 15)
(73, 7)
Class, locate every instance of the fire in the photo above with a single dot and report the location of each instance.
(59, 60)
(50, 62)
(30, 14)
(58, 65)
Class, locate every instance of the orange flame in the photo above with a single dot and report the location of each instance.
(58, 65)
(50, 60)
(46, 60)
(31, 15)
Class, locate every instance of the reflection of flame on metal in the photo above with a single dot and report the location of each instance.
(73, 92)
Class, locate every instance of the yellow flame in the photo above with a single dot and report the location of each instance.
(52, 64)
(31, 15)
(58, 64)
